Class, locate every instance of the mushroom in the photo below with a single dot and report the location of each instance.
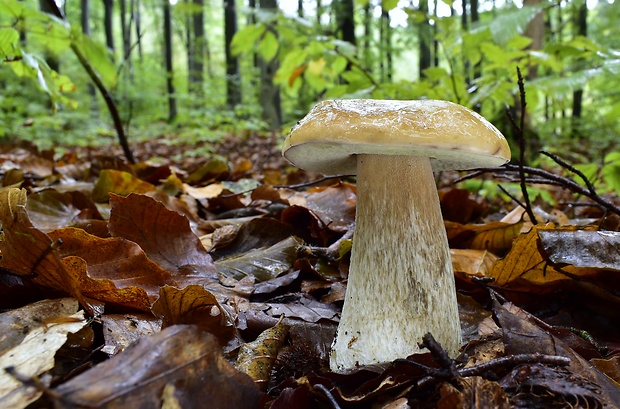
(401, 282)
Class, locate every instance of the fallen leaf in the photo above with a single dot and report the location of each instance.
(122, 330)
(120, 183)
(582, 248)
(28, 345)
(496, 237)
(195, 305)
(256, 358)
(181, 356)
(164, 235)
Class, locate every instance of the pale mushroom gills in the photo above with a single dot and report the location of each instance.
(401, 283)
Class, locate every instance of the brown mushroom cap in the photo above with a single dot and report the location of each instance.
(452, 136)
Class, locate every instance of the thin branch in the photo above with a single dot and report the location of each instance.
(570, 168)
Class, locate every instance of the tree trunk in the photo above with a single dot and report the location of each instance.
(50, 58)
(85, 23)
(135, 12)
(269, 93)
(424, 36)
(386, 46)
(172, 102)
(108, 14)
(368, 52)
(465, 26)
(319, 12)
(581, 29)
(126, 34)
(233, 80)
(198, 55)
(345, 20)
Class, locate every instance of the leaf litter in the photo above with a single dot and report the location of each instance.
(222, 282)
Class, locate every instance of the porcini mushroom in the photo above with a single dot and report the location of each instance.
(401, 282)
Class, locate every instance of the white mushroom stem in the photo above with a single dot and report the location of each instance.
(401, 282)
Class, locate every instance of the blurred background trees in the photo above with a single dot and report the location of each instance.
(197, 68)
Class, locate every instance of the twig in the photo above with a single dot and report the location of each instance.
(333, 251)
(521, 134)
(321, 388)
(513, 360)
(297, 186)
(570, 168)
(511, 196)
(440, 355)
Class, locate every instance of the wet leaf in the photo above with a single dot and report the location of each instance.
(496, 237)
(42, 328)
(195, 305)
(120, 183)
(334, 205)
(214, 170)
(164, 235)
(50, 209)
(116, 259)
(263, 264)
(256, 358)
(180, 356)
(582, 248)
(122, 330)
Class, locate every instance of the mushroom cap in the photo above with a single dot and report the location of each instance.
(452, 136)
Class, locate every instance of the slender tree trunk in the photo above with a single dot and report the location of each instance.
(424, 36)
(85, 23)
(135, 12)
(197, 67)
(172, 102)
(434, 34)
(368, 52)
(269, 92)
(386, 45)
(108, 18)
(581, 28)
(233, 80)
(319, 12)
(300, 8)
(345, 20)
(465, 25)
(50, 58)
(126, 33)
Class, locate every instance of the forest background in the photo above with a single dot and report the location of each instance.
(88, 72)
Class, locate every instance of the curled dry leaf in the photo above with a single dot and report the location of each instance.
(195, 305)
(256, 358)
(473, 391)
(496, 237)
(181, 356)
(163, 234)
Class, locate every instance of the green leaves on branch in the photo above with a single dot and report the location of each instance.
(55, 36)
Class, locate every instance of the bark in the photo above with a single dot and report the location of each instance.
(198, 50)
(172, 102)
(85, 24)
(233, 80)
(386, 46)
(135, 12)
(368, 52)
(581, 26)
(108, 14)
(345, 20)
(424, 36)
(269, 97)
(50, 58)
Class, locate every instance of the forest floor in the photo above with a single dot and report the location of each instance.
(183, 280)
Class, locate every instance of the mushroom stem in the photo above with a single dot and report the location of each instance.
(401, 282)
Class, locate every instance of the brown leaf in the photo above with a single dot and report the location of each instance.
(496, 237)
(164, 235)
(334, 205)
(119, 260)
(120, 183)
(256, 358)
(472, 262)
(30, 253)
(50, 209)
(263, 264)
(195, 305)
(122, 330)
(459, 205)
(521, 336)
(215, 169)
(180, 356)
(582, 248)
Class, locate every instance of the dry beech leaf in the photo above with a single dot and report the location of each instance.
(120, 183)
(496, 237)
(195, 305)
(610, 367)
(164, 235)
(30, 253)
(524, 263)
(181, 356)
(472, 262)
(50, 209)
(256, 358)
(263, 263)
(334, 205)
(32, 335)
(117, 259)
